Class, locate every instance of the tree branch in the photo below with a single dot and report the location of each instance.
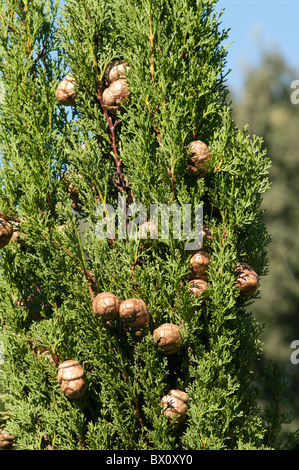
(124, 185)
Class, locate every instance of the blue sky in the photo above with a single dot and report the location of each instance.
(258, 25)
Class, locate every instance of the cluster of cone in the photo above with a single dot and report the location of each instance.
(167, 338)
(114, 94)
(247, 280)
(134, 312)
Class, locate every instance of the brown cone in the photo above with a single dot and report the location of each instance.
(6, 232)
(134, 313)
(106, 305)
(199, 156)
(247, 280)
(168, 338)
(71, 379)
(175, 405)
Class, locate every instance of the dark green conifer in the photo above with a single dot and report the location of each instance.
(64, 166)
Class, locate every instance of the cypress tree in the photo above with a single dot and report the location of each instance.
(108, 344)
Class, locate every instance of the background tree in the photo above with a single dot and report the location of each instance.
(74, 380)
(266, 104)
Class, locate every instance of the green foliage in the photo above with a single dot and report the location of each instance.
(275, 117)
(49, 276)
